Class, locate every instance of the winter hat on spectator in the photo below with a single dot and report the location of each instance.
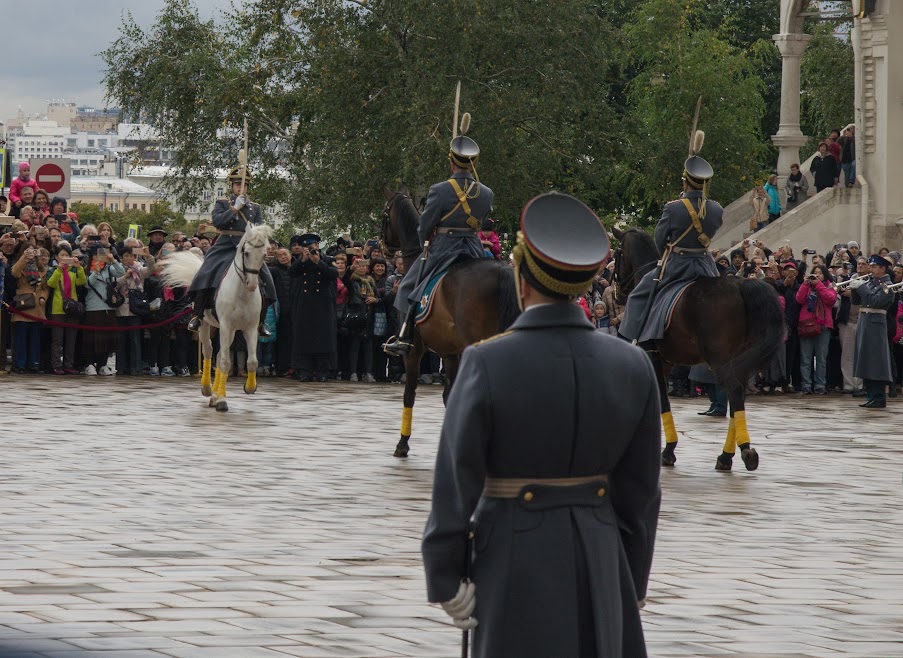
(895, 255)
(789, 265)
(852, 243)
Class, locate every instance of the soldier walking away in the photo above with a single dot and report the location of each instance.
(682, 237)
(564, 518)
(230, 216)
(454, 213)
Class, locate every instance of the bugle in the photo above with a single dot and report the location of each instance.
(844, 284)
(892, 287)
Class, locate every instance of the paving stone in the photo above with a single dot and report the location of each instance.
(264, 531)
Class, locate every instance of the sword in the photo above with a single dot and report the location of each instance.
(465, 635)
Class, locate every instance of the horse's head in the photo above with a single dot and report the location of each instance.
(399, 224)
(635, 256)
(252, 250)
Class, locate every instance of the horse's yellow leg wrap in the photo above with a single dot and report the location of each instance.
(222, 385)
(730, 443)
(205, 373)
(407, 415)
(251, 383)
(668, 426)
(216, 377)
(741, 433)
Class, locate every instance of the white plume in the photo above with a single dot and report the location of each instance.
(180, 268)
(698, 140)
(465, 123)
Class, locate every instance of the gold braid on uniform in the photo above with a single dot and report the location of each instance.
(521, 253)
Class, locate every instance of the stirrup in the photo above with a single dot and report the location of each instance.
(395, 346)
(194, 324)
(262, 330)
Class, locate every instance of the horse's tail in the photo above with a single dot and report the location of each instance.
(180, 268)
(764, 328)
(509, 308)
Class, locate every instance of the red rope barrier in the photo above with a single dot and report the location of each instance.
(69, 325)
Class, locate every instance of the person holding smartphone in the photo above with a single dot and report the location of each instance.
(65, 282)
(32, 293)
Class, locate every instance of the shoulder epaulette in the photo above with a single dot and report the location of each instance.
(492, 338)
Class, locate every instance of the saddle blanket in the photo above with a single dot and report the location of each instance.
(426, 302)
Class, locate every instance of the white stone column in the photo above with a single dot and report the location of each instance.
(789, 137)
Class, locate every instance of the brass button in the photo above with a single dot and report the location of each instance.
(528, 496)
(601, 492)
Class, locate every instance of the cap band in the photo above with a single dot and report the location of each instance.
(522, 253)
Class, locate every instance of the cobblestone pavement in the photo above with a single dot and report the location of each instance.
(136, 522)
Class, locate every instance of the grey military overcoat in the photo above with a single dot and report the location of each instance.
(871, 360)
(559, 575)
(444, 210)
(222, 253)
(682, 268)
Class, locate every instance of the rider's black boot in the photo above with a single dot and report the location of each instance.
(401, 344)
(200, 305)
(262, 330)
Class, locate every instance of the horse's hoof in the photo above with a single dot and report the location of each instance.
(250, 391)
(723, 463)
(206, 391)
(222, 406)
(750, 458)
(402, 449)
(668, 457)
(212, 401)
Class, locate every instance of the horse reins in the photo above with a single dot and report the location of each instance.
(244, 268)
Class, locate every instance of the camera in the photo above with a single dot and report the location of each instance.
(810, 252)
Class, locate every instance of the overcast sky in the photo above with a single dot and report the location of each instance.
(56, 57)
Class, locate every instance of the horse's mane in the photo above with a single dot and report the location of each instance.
(642, 246)
(407, 221)
(261, 230)
(407, 214)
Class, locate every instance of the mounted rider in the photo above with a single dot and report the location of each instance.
(231, 215)
(682, 237)
(448, 232)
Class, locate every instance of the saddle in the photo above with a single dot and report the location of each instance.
(425, 305)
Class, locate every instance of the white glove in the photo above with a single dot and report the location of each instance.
(240, 202)
(461, 607)
(857, 283)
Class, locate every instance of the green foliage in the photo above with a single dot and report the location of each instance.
(672, 74)
(345, 97)
(160, 215)
(827, 85)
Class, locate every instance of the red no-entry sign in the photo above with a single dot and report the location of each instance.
(50, 177)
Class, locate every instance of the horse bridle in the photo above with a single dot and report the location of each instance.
(386, 222)
(244, 270)
(617, 279)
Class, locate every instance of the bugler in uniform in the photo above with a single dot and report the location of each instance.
(230, 216)
(682, 236)
(565, 514)
(454, 213)
(871, 360)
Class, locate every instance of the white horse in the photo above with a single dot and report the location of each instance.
(237, 309)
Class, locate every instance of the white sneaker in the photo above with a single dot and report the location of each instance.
(154, 371)
(183, 372)
(107, 371)
(353, 377)
(167, 372)
(90, 370)
(370, 379)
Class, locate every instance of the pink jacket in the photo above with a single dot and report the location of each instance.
(493, 238)
(17, 186)
(826, 298)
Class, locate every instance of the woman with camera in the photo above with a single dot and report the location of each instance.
(135, 307)
(32, 293)
(65, 281)
(796, 187)
(101, 301)
(816, 297)
(358, 312)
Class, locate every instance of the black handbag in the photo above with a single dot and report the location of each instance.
(24, 302)
(138, 304)
(73, 307)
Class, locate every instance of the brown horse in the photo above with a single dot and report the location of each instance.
(734, 325)
(475, 300)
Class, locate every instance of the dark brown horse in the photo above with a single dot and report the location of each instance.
(734, 325)
(475, 300)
